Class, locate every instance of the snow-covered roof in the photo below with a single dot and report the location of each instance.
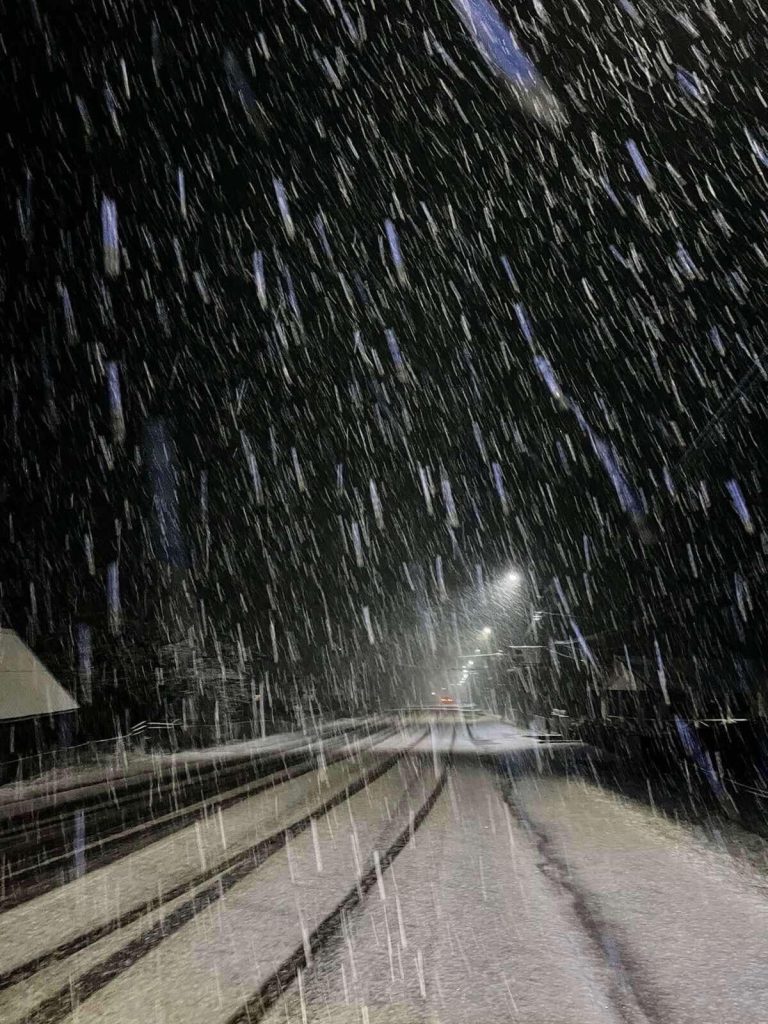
(27, 688)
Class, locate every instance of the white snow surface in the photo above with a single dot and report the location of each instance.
(205, 971)
(68, 783)
(568, 906)
(684, 921)
(32, 928)
(470, 931)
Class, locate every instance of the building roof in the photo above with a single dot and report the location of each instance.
(27, 688)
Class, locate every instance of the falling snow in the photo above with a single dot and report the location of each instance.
(384, 385)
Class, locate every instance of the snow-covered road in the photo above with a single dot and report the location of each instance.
(422, 885)
(566, 905)
(469, 931)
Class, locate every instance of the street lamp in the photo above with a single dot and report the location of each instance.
(487, 631)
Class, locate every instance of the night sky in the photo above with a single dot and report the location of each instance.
(310, 416)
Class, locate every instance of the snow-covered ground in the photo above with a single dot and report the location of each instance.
(684, 923)
(204, 972)
(497, 737)
(278, 742)
(471, 735)
(574, 907)
(92, 900)
(133, 764)
(469, 930)
(534, 899)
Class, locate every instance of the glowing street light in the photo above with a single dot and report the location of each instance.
(487, 631)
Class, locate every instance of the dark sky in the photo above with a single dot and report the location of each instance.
(649, 304)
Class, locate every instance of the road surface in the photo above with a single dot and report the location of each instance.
(420, 872)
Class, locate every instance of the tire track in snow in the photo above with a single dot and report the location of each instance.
(142, 834)
(630, 997)
(222, 878)
(262, 1001)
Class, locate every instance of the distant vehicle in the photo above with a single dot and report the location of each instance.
(445, 700)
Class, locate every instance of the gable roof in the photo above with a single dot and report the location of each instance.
(27, 688)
